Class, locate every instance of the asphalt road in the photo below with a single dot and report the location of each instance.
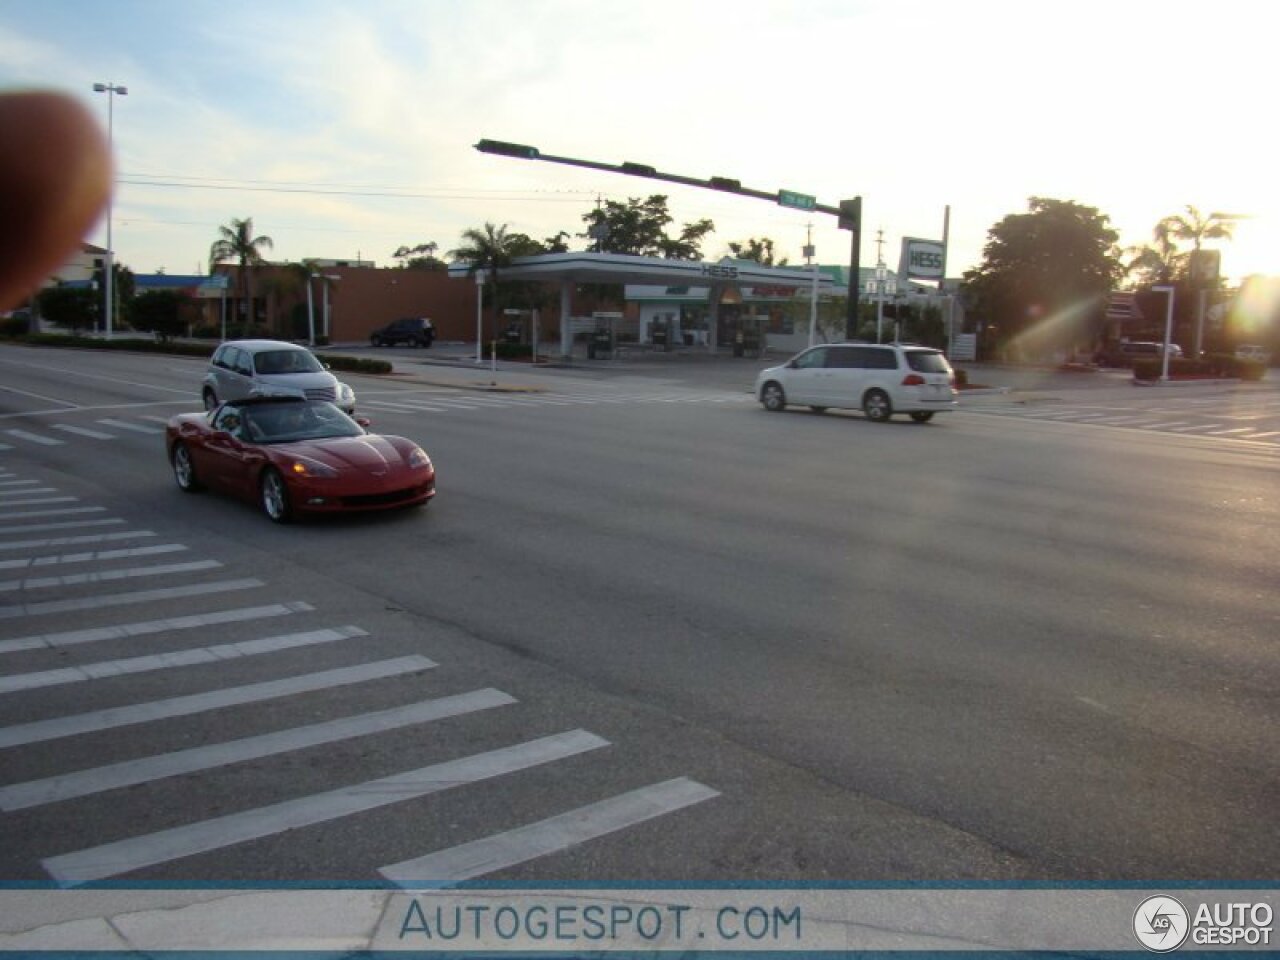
(757, 646)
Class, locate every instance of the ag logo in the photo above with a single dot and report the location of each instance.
(1161, 923)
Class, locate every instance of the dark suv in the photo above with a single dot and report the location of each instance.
(415, 331)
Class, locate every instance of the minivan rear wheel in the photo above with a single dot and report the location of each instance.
(877, 406)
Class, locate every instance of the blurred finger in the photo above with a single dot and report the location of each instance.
(55, 177)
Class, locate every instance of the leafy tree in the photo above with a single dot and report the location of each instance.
(160, 312)
(639, 227)
(237, 242)
(420, 257)
(75, 309)
(1048, 270)
(761, 251)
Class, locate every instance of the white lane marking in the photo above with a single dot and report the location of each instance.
(1219, 433)
(82, 783)
(39, 731)
(105, 576)
(27, 492)
(111, 859)
(1167, 426)
(120, 599)
(121, 631)
(91, 376)
(65, 524)
(84, 432)
(135, 427)
(193, 657)
(1269, 433)
(1192, 429)
(66, 404)
(18, 483)
(35, 438)
(91, 556)
(552, 835)
(47, 542)
(5, 446)
(42, 501)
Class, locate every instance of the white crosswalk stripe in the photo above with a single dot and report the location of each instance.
(78, 538)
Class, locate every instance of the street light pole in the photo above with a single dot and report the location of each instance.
(110, 89)
(1168, 332)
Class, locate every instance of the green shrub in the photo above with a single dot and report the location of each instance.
(354, 364)
(1222, 365)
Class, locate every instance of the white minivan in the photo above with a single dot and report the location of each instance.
(880, 379)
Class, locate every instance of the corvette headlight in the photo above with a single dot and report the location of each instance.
(418, 458)
(306, 467)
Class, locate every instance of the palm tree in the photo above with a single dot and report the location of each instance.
(1196, 227)
(490, 249)
(237, 242)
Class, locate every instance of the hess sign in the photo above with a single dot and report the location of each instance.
(922, 259)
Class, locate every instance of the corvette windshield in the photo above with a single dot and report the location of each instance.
(290, 422)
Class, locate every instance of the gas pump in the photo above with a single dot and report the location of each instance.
(602, 342)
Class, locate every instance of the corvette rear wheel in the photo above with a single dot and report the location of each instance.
(275, 497)
(183, 470)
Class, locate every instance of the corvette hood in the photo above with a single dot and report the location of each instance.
(369, 454)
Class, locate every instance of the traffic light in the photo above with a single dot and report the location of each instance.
(726, 183)
(504, 149)
(851, 214)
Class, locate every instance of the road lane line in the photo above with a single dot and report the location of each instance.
(66, 524)
(84, 432)
(121, 599)
(39, 731)
(123, 856)
(42, 501)
(104, 576)
(47, 542)
(135, 427)
(91, 555)
(36, 438)
(14, 482)
(192, 657)
(83, 783)
(552, 835)
(27, 492)
(122, 631)
(1192, 429)
(1219, 433)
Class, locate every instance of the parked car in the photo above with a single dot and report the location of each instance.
(1255, 352)
(415, 331)
(294, 456)
(1123, 354)
(247, 368)
(878, 379)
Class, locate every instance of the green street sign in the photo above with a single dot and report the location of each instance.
(801, 201)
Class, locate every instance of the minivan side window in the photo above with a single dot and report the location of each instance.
(869, 358)
(927, 361)
(844, 358)
(811, 359)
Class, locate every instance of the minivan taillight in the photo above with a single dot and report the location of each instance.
(913, 380)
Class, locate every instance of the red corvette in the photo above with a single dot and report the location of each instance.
(293, 456)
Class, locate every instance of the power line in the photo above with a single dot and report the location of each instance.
(192, 183)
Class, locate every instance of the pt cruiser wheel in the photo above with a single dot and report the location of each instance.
(876, 406)
(773, 397)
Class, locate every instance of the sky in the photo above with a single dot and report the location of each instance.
(345, 129)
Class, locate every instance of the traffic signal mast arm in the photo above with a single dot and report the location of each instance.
(787, 198)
